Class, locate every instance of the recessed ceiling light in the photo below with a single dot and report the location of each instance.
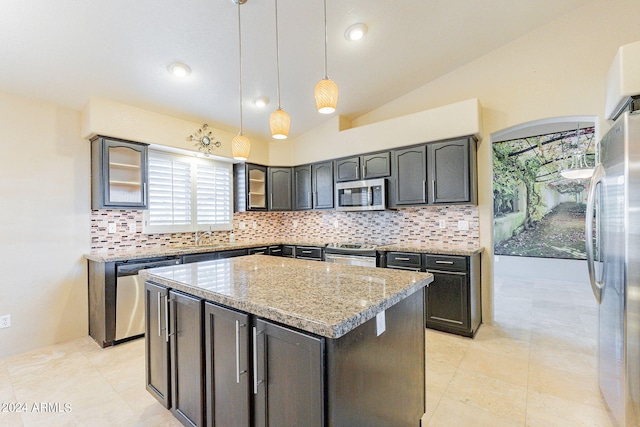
(179, 69)
(261, 102)
(355, 32)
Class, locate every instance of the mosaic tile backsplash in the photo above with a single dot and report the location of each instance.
(407, 225)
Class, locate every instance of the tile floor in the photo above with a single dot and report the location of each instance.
(536, 366)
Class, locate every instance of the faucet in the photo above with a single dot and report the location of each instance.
(200, 234)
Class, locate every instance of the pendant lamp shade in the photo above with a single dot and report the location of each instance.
(280, 122)
(240, 147)
(326, 96)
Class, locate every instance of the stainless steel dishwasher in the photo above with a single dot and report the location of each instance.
(130, 295)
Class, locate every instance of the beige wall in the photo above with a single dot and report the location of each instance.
(557, 70)
(44, 224)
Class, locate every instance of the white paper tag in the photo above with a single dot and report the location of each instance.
(380, 324)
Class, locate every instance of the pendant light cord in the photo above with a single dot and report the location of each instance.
(240, 55)
(325, 40)
(277, 55)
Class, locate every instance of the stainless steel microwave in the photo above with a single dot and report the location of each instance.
(366, 195)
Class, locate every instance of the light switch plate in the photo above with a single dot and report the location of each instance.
(295, 223)
(242, 225)
(111, 228)
(463, 225)
(255, 224)
(442, 223)
(132, 227)
(336, 224)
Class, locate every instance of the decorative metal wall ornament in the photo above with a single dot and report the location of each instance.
(204, 140)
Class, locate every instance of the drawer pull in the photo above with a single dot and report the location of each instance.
(446, 320)
(444, 262)
(276, 250)
(307, 252)
(402, 259)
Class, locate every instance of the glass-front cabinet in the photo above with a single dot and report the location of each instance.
(118, 174)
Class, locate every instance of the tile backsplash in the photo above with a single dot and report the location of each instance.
(407, 225)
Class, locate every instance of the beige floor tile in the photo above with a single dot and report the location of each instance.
(10, 419)
(579, 388)
(497, 397)
(438, 375)
(451, 413)
(504, 367)
(446, 348)
(542, 405)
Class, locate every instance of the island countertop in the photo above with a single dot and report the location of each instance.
(322, 298)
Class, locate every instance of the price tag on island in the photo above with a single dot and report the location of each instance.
(380, 324)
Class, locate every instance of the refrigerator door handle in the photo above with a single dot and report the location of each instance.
(596, 181)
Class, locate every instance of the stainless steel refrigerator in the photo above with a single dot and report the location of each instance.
(613, 258)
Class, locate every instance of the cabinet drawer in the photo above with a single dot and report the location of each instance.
(275, 250)
(258, 251)
(309, 252)
(288, 251)
(446, 262)
(404, 259)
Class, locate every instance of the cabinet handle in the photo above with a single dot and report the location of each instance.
(255, 360)
(424, 190)
(237, 352)
(364, 170)
(159, 321)
(446, 320)
(144, 191)
(270, 200)
(166, 318)
(433, 190)
(444, 262)
(401, 259)
(306, 252)
(276, 250)
(258, 253)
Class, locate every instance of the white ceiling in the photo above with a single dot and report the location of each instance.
(68, 50)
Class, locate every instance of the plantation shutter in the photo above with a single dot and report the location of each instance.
(213, 194)
(169, 191)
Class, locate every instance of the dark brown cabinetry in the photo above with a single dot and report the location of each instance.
(303, 199)
(289, 251)
(275, 250)
(208, 256)
(157, 343)
(408, 185)
(367, 166)
(309, 252)
(322, 182)
(118, 174)
(452, 171)
(250, 187)
(187, 361)
(280, 185)
(228, 366)
(289, 377)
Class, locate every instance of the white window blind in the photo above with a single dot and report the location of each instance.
(188, 194)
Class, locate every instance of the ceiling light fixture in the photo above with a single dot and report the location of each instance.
(326, 92)
(355, 32)
(179, 69)
(279, 120)
(240, 145)
(578, 167)
(262, 101)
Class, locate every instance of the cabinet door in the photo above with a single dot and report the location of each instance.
(322, 177)
(449, 172)
(157, 342)
(256, 187)
(348, 169)
(288, 377)
(302, 188)
(280, 189)
(119, 174)
(447, 301)
(187, 387)
(410, 176)
(376, 165)
(227, 378)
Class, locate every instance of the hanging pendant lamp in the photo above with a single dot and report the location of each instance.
(240, 145)
(279, 120)
(326, 91)
(578, 167)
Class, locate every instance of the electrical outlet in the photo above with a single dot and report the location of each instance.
(295, 223)
(5, 321)
(463, 225)
(442, 223)
(242, 225)
(111, 228)
(255, 224)
(132, 227)
(336, 224)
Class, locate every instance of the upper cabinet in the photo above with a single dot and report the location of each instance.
(409, 183)
(118, 174)
(452, 171)
(368, 166)
(302, 199)
(251, 187)
(280, 185)
(322, 183)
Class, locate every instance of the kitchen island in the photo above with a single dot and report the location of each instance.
(260, 340)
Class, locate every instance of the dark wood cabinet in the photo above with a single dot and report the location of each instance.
(119, 174)
(275, 250)
(157, 343)
(250, 187)
(453, 298)
(208, 256)
(280, 185)
(288, 251)
(452, 171)
(367, 166)
(309, 252)
(289, 381)
(228, 366)
(323, 185)
(303, 199)
(187, 359)
(408, 185)
(262, 250)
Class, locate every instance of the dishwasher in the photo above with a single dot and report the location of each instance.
(130, 295)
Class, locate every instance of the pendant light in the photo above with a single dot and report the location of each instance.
(240, 145)
(326, 92)
(279, 120)
(578, 168)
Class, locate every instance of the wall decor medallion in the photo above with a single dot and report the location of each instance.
(204, 140)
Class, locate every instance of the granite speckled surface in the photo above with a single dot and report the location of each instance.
(325, 299)
(436, 249)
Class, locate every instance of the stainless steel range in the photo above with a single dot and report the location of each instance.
(351, 253)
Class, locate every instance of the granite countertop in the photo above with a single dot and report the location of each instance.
(325, 299)
(171, 250)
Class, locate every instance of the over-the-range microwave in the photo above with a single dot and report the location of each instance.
(365, 195)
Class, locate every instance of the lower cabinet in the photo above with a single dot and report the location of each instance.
(157, 342)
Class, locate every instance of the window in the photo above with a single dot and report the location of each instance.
(187, 194)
